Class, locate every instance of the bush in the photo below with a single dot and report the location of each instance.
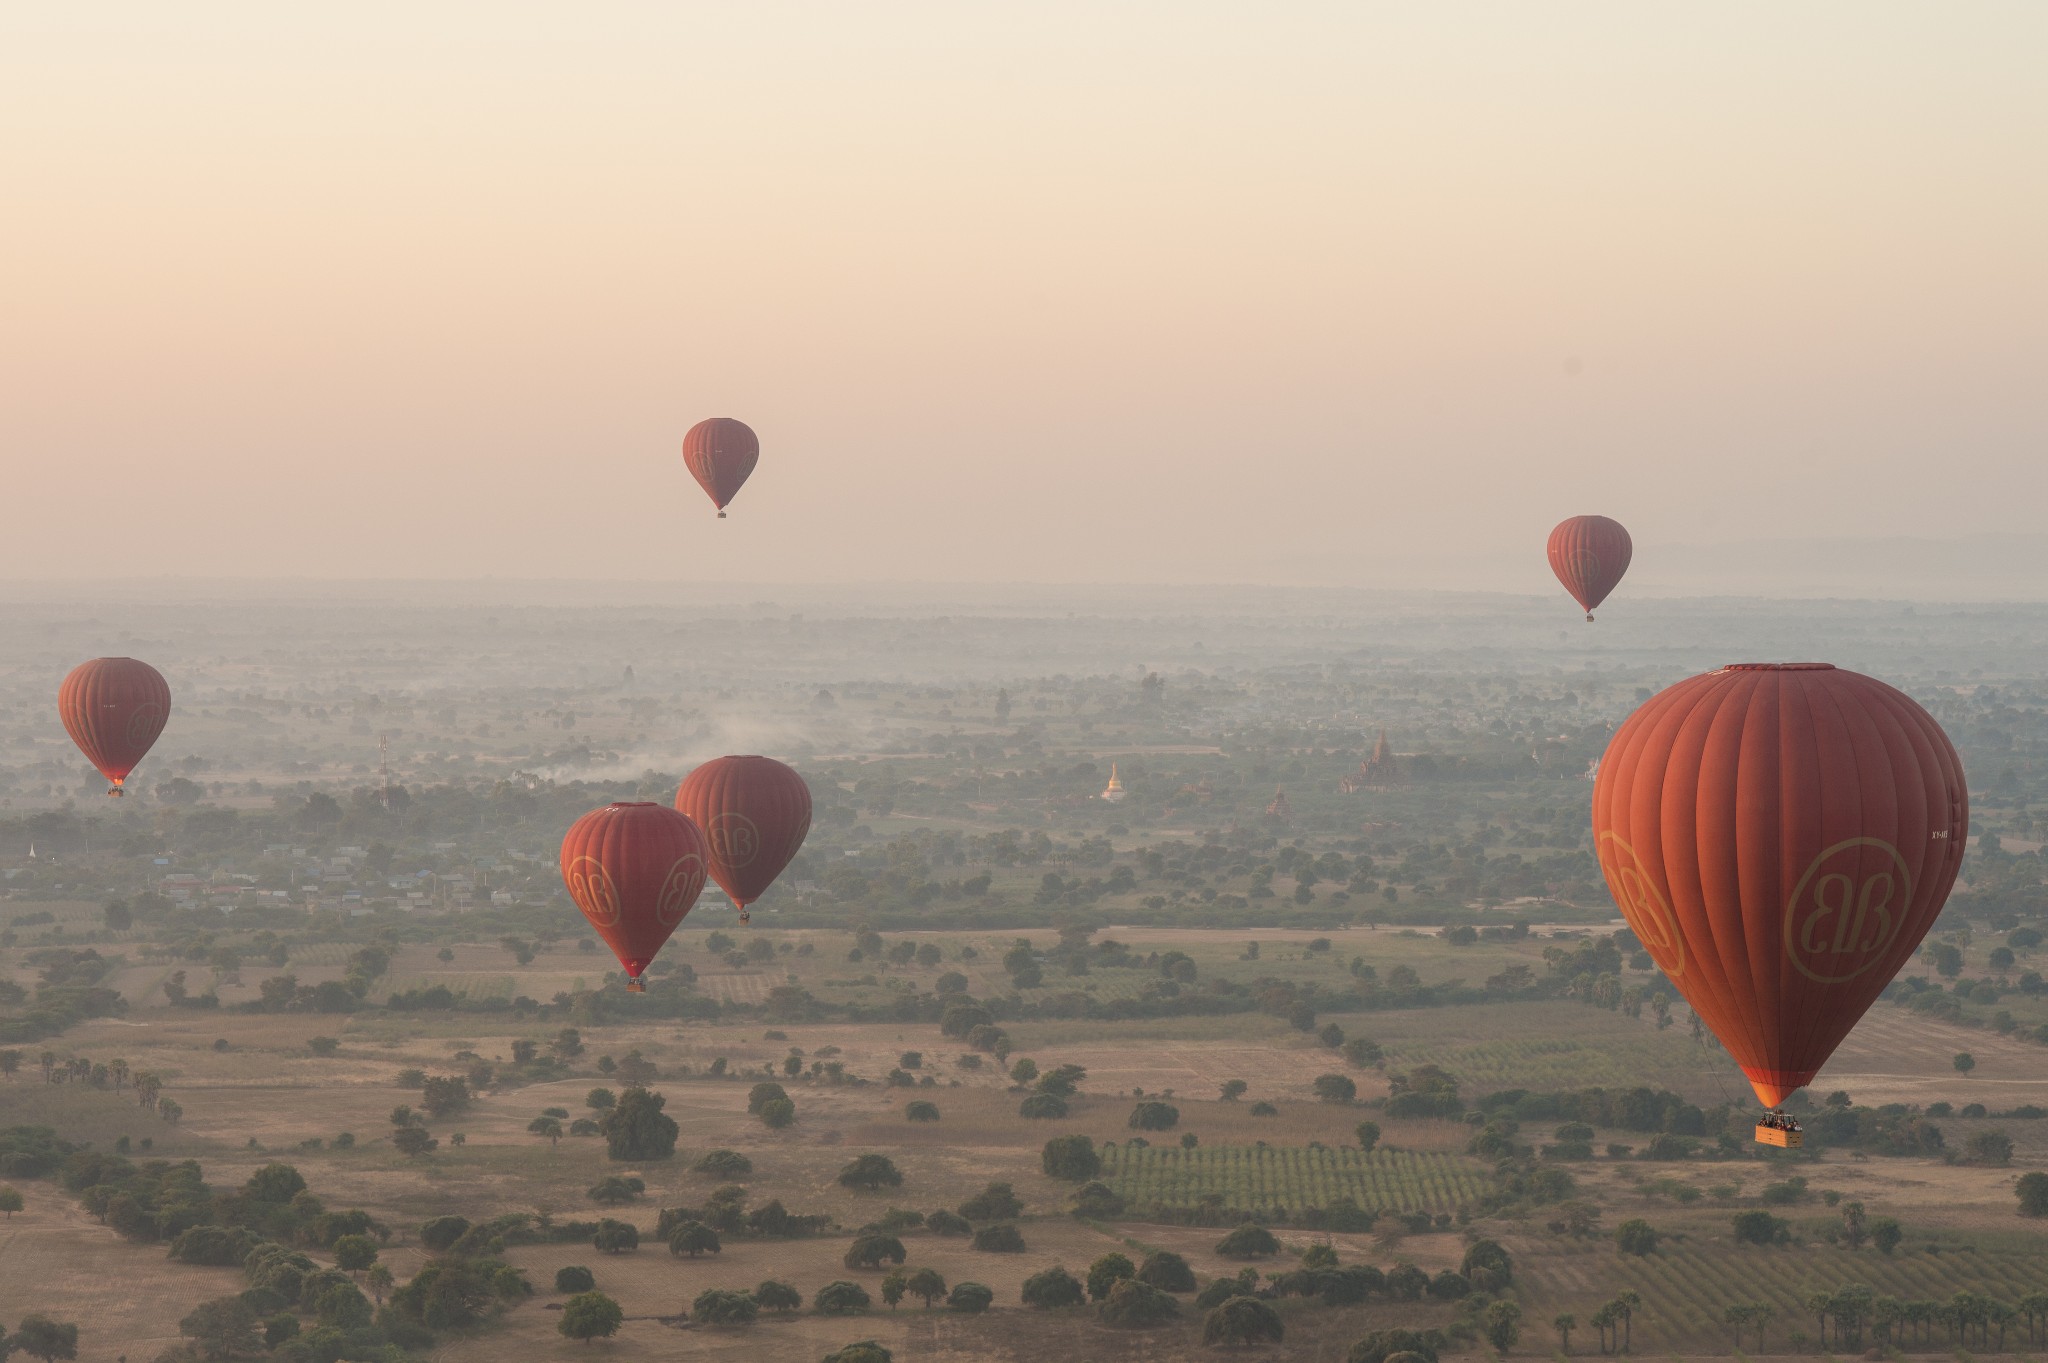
(1131, 1305)
(763, 1094)
(590, 1315)
(867, 1173)
(2033, 1194)
(441, 1232)
(866, 1351)
(871, 1249)
(1635, 1237)
(637, 1129)
(841, 1299)
(947, 1223)
(728, 1165)
(1248, 1241)
(997, 1202)
(1004, 1239)
(1043, 1107)
(1070, 1157)
(775, 1296)
(693, 1238)
(1243, 1320)
(970, 1298)
(1152, 1115)
(1166, 1271)
(716, 1306)
(1335, 1088)
(1097, 1200)
(921, 1112)
(1053, 1289)
(1760, 1228)
(1990, 1147)
(1381, 1345)
(1106, 1272)
(778, 1114)
(574, 1278)
(616, 1237)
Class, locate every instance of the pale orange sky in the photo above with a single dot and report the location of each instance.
(1173, 292)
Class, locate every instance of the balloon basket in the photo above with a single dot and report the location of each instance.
(1778, 1136)
(635, 987)
(115, 792)
(721, 515)
(1589, 617)
(745, 917)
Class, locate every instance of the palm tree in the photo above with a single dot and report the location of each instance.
(1820, 1303)
(118, 1069)
(2001, 1315)
(1627, 1304)
(1564, 1325)
(1735, 1317)
(1885, 1315)
(1761, 1314)
(2035, 1306)
(1604, 1319)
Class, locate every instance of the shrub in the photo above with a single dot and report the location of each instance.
(841, 1299)
(441, 1232)
(1152, 1115)
(693, 1238)
(997, 1202)
(1248, 1241)
(574, 1278)
(716, 1306)
(1131, 1305)
(616, 1237)
(1106, 1272)
(870, 1172)
(1243, 1320)
(871, 1249)
(921, 1112)
(1635, 1237)
(1043, 1107)
(1761, 1228)
(1335, 1088)
(1004, 1239)
(1070, 1157)
(778, 1114)
(865, 1351)
(1166, 1271)
(763, 1094)
(970, 1298)
(590, 1315)
(1381, 1345)
(947, 1223)
(637, 1129)
(2033, 1194)
(723, 1164)
(1096, 1200)
(775, 1296)
(1264, 1109)
(1052, 1289)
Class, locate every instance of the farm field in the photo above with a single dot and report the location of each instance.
(1295, 1178)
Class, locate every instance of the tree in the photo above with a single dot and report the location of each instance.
(943, 1222)
(870, 1249)
(1990, 1147)
(1003, 1239)
(1153, 1115)
(1761, 1228)
(616, 1237)
(354, 1253)
(1564, 1325)
(1052, 1289)
(1243, 1320)
(11, 1201)
(894, 1286)
(574, 1278)
(1503, 1324)
(1627, 1304)
(600, 1100)
(1248, 1241)
(763, 1094)
(1383, 1345)
(996, 1202)
(1073, 1158)
(1487, 1265)
(379, 1281)
(921, 1111)
(414, 1141)
(693, 1238)
(1134, 1306)
(1043, 1107)
(615, 1190)
(725, 1165)
(1886, 1234)
(1636, 1237)
(2033, 1194)
(1233, 1089)
(438, 1235)
(840, 1299)
(925, 1283)
(1335, 1088)
(1166, 1271)
(970, 1299)
(49, 1340)
(1368, 1134)
(548, 1129)
(637, 1129)
(867, 1173)
(223, 1328)
(718, 1306)
(1105, 1273)
(590, 1315)
(774, 1296)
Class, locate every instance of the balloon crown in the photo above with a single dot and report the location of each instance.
(1779, 667)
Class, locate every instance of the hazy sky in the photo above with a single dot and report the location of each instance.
(1170, 292)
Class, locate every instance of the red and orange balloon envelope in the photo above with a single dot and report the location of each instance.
(635, 869)
(720, 453)
(114, 709)
(1589, 554)
(754, 812)
(1780, 836)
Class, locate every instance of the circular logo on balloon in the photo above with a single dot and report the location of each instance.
(590, 885)
(1847, 910)
(735, 840)
(145, 722)
(1643, 904)
(679, 890)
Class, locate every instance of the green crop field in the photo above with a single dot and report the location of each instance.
(1686, 1287)
(1247, 1176)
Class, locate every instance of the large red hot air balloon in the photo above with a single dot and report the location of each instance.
(721, 452)
(635, 869)
(754, 812)
(1780, 836)
(1589, 554)
(114, 708)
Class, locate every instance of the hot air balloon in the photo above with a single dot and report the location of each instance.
(114, 708)
(1589, 554)
(1780, 836)
(754, 812)
(635, 869)
(721, 452)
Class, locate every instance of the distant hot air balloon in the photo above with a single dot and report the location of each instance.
(754, 812)
(635, 869)
(114, 708)
(1589, 554)
(721, 452)
(1780, 836)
